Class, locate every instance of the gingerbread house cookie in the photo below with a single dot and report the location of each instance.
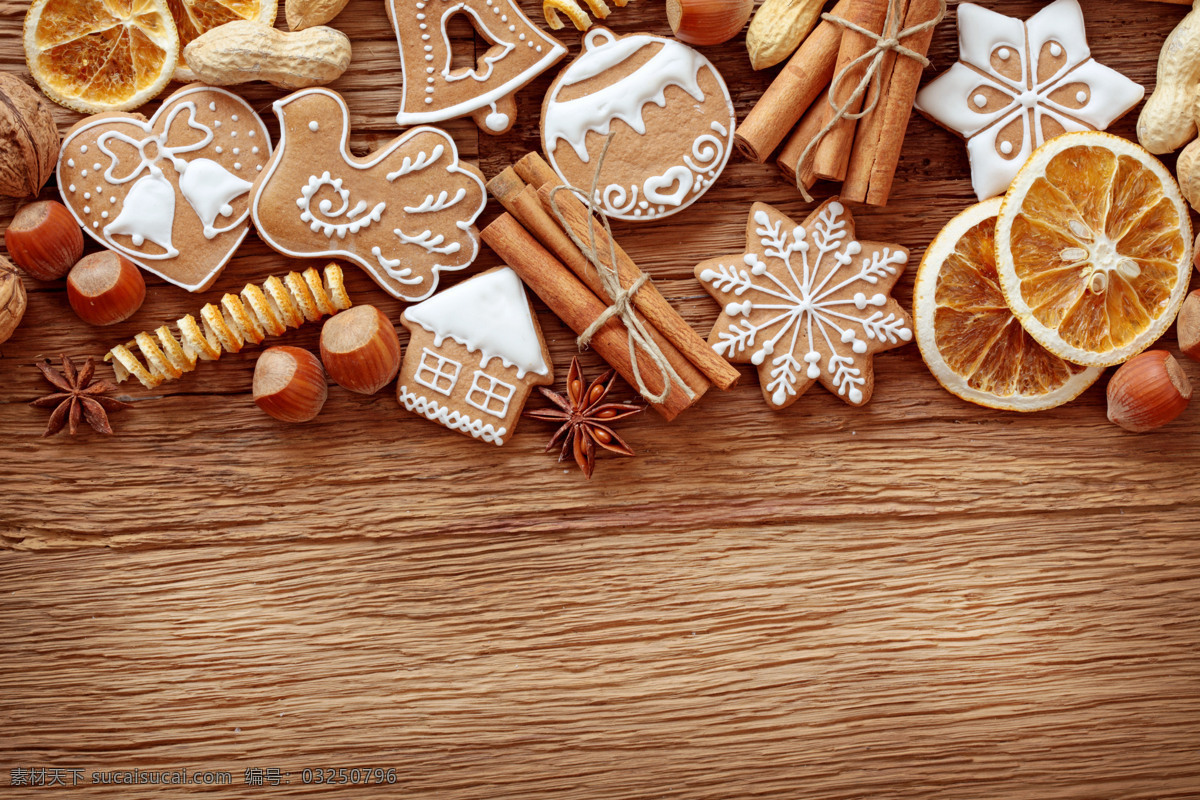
(475, 354)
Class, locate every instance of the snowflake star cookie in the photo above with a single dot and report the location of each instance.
(404, 213)
(1018, 84)
(806, 303)
(171, 193)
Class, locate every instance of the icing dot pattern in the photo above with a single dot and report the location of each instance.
(133, 172)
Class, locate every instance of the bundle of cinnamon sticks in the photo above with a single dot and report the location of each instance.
(531, 240)
(861, 154)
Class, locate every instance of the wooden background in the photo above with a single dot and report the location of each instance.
(918, 599)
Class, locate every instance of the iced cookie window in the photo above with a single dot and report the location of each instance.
(437, 372)
(490, 394)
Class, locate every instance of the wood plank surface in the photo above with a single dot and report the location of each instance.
(920, 598)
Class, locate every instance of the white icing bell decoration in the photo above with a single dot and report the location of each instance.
(209, 189)
(148, 214)
(170, 193)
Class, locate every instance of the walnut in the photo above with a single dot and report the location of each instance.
(28, 139)
(12, 299)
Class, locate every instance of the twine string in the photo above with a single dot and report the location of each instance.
(888, 41)
(620, 298)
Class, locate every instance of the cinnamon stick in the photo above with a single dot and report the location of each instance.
(806, 75)
(870, 127)
(695, 353)
(527, 203)
(534, 170)
(833, 153)
(789, 157)
(667, 328)
(648, 300)
(898, 105)
(575, 305)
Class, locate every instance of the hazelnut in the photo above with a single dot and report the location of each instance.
(705, 22)
(289, 384)
(28, 139)
(360, 349)
(1147, 392)
(12, 299)
(44, 240)
(105, 288)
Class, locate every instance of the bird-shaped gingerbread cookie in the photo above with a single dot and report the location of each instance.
(403, 213)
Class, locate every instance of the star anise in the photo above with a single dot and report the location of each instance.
(585, 418)
(80, 398)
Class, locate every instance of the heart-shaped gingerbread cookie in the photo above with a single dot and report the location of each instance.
(172, 193)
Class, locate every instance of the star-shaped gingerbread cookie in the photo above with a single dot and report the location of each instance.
(806, 303)
(1018, 84)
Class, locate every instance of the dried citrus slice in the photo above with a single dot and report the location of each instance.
(1094, 248)
(970, 339)
(100, 55)
(194, 17)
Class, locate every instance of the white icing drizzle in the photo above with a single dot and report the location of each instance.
(353, 224)
(440, 203)
(403, 275)
(675, 64)
(793, 343)
(409, 166)
(429, 241)
(489, 315)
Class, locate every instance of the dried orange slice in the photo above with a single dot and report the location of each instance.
(1094, 248)
(970, 339)
(100, 55)
(194, 17)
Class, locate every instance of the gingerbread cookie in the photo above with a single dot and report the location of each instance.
(669, 114)
(172, 193)
(806, 303)
(433, 91)
(1018, 84)
(475, 354)
(404, 213)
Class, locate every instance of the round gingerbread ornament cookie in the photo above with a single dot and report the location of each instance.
(668, 112)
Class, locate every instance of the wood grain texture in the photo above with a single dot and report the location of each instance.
(921, 598)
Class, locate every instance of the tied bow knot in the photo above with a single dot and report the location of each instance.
(620, 298)
(887, 42)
